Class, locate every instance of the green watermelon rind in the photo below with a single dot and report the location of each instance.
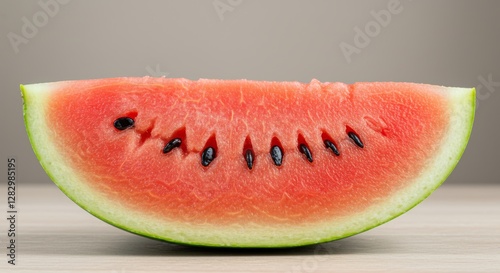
(464, 107)
(446, 173)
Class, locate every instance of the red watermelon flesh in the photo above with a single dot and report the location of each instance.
(396, 143)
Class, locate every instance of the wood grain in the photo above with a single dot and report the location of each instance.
(457, 229)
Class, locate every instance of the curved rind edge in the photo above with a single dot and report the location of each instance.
(462, 107)
(470, 106)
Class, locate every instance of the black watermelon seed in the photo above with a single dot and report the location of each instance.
(332, 147)
(207, 156)
(176, 142)
(123, 123)
(356, 139)
(305, 150)
(277, 155)
(249, 158)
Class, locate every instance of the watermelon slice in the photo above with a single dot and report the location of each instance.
(246, 163)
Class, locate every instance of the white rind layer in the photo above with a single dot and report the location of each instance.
(462, 107)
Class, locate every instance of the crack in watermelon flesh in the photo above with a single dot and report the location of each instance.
(123, 177)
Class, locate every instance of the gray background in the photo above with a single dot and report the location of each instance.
(453, 43)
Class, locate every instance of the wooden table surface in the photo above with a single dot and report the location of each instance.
(457, 229)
